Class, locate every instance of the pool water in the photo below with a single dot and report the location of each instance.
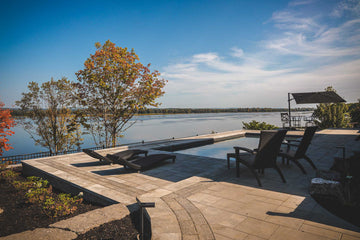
(220, 149)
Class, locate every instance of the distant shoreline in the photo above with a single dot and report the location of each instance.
(161, 111)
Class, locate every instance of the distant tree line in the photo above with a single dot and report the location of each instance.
(19, 112)
(216, 110)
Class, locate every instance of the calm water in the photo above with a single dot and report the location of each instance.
(220, 149)
(155, 127)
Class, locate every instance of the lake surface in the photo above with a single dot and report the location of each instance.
(220, 149)
(156, 127)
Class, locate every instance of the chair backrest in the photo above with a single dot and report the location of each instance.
(95, 155)
(284, 117)
(269, 147)
(305, 141)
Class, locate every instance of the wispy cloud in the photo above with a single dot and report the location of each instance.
(300, 2)
(290, 20)
(347, 6)
(306, 52)
(237, 52)
(303, 36)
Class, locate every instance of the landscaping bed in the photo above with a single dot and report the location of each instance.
(20, 209)
(119, 229)
(350, 213)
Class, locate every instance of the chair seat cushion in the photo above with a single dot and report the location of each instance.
(145, 162)
(247, 158)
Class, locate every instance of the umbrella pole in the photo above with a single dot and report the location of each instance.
(289, 110)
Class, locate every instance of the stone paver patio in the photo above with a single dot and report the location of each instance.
(199, 198)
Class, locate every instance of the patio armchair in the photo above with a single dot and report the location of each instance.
(285, 119)
(127, 155)
(141, 163)
(301, 147)
(262, 157)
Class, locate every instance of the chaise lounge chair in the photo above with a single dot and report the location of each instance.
(127, 155)
(141, 163)
(263, 157)
(301, 147)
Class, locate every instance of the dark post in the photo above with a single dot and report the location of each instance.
(142, 206)
(289, 110)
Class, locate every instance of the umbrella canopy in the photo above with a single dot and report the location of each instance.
(317, 97)
(313, 97)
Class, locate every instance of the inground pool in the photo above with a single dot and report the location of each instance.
(220, 149)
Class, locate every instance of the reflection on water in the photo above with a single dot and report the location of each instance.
(220, 149)
(155, 127)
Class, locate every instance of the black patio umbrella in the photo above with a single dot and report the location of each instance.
(314, 97)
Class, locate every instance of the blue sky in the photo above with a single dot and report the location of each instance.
(213, 53)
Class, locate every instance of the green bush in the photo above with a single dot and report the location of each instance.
(8, 175)
(38, 195)
(61, 205)
(331, 115)
(254, 125)
(354, 110)
(39, 191)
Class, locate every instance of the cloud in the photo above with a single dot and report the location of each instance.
(300, 2)
(237, 52)
(205, 57)
(304, 36)
(305, 53)
(351, 6)
(290, 20)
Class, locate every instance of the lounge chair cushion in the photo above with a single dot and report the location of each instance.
(129, 154)
(142, 163)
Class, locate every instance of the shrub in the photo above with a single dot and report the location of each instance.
(8, 175)
(354, 110)
(38, 191)
(331, 115)
(38, 195)
(61, 205)
(254, 125)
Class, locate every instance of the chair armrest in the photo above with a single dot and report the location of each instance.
(237, 149)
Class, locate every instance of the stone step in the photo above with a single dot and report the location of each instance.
(193, 224)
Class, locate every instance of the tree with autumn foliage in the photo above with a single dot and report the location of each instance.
(6, 123)
(112, 88)
(51, 122)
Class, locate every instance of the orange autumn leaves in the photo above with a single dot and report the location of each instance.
(6, 123)
(113, 86)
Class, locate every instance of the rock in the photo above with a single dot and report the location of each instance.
(328, 175)
(320, 186)
(89, 220)
(42, 234)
